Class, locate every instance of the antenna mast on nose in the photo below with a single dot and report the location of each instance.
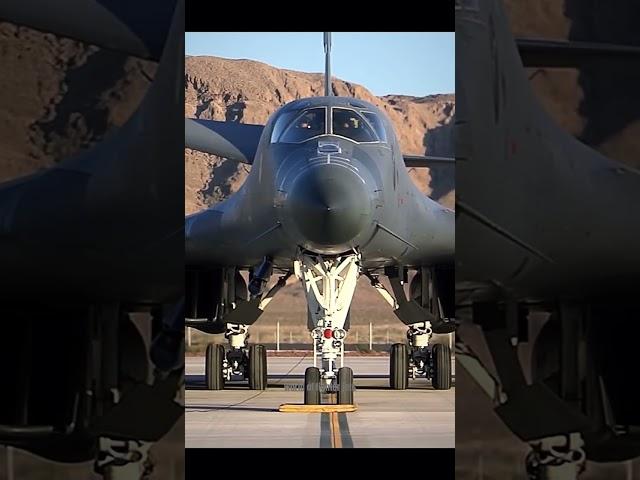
(328, 91)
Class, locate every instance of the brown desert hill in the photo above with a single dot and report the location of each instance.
(248, 91)
(60, 97)
(608, 117)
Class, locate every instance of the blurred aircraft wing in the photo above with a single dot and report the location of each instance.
(139, 29)
(427, 161)
(235, 141)
(570, 54)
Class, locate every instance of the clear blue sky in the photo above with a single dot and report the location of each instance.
(407, 63)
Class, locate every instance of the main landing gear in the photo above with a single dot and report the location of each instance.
(558, 411)
(419, 359)
(241, 360)
(329, 284)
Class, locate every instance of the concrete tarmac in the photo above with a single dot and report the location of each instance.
(238, 417)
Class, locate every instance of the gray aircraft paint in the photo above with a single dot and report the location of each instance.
(400, 224)
(547, 224)
(96, 226)
(539, 213)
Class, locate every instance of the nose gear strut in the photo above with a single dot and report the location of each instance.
(329, 284)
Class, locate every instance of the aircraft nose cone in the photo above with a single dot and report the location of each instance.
(330, 205)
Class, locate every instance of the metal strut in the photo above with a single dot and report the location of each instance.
(559, 457)
(329, 284)
(238, 333)
(236, 359)
(479, 373)
(419, 336)
(122, 459)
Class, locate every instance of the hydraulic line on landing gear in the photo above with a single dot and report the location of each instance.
(261, 277)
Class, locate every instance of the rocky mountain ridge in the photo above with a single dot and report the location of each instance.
(248, 91)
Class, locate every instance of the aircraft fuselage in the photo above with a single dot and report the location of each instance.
(326, 194)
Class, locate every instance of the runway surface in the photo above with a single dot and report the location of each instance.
(238, 417)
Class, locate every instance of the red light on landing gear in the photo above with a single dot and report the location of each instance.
(328, 333)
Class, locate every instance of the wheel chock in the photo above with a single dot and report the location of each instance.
(302, 408)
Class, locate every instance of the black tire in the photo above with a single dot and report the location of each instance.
(312, 386)
(257, 367)
(345, 386)
(213, 366)
(399, 367)
(441, 367)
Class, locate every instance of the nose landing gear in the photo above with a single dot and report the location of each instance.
(329, 285)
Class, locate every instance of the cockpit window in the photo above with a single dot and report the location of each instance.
(308, 124)
(281, 123)
(349, 123)
(377, 125)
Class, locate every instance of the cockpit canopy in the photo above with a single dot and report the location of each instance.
(302, 125)
(296, 127)
(359, 126)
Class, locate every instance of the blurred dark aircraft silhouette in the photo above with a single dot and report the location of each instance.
(328, 198)
(544, 223)
(84, 244)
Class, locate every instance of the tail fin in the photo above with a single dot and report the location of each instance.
(328, 91)
(144, 151)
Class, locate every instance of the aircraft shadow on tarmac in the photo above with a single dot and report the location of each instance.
(197, 382)
(209, 408)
